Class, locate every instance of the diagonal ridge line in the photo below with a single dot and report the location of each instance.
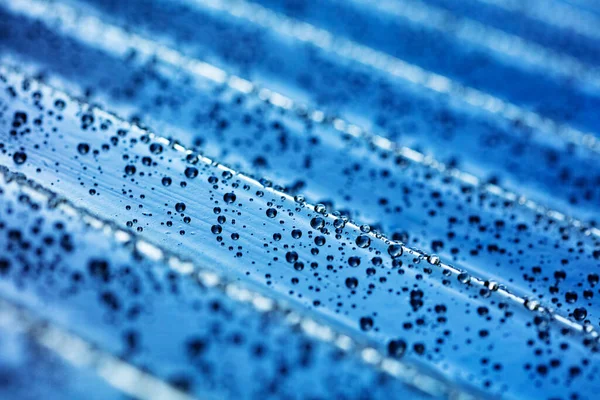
(77, 351)
(399, 68)
(579, 21)
(491, 38)
(115, 40)
(156, 251)
(316, 328)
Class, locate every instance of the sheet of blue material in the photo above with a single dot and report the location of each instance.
(262, 139)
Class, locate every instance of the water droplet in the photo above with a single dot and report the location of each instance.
(351, 283)
(19, 157)
(156, 148)
(320, 208)
(291, 256)
(317, 223)
(395, 250)
(464, 277)
(433, 259)
(366, 323)
(130, 169)
(531, 305)
(396, 348)
(340, 222)
(354, 261)
(83, 148)
(60, 104)
(191, 172)
(580, 313)
(229, 197)
(363, 241)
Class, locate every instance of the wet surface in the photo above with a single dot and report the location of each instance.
(477, 270)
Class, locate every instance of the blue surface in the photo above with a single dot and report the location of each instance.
(481, 164)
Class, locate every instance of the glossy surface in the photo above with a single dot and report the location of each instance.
(255, 141)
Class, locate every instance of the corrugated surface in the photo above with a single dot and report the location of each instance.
(255, 141)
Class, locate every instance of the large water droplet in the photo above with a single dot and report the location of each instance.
(363, 241)
(229, 197)
(395, 250)
(19, 157)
